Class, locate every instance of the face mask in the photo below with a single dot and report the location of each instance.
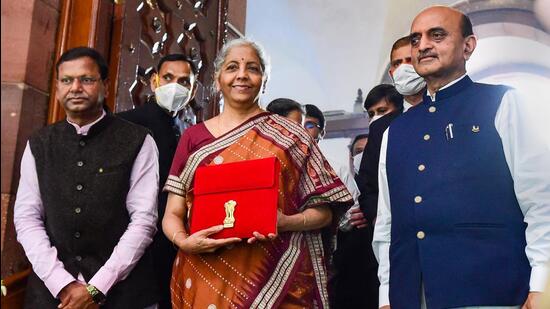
(373, 119)
(407, 81)
(172, 97)
(357, 162)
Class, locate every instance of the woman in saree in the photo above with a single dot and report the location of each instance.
(286, 270)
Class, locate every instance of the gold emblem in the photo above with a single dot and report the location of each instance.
(475, 129)
(229, 220)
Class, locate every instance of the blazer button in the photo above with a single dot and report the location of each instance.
(82, 143)
(418, 199)
(420, 235)
(426, 137)
(78, 258)
(79, 187)
(432, 109)
(78, 210)
(77, 235)
(421, 167)
(79, 163)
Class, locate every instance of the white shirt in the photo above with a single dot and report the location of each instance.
(406, 106)
(525, 136)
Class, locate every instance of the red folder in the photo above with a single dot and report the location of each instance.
(242, 196)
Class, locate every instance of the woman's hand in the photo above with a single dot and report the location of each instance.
(262, 237)
(200, 243)
(281, 220)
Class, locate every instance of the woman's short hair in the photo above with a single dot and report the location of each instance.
(222, 54)
(284, 106)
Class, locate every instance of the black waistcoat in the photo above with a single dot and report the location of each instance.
(84, 181)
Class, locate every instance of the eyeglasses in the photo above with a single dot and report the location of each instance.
(84, 80)
(311, 125)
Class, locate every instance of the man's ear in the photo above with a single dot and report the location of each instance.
(193, 91)
(470, 44)
(154, 81)
(106, 83)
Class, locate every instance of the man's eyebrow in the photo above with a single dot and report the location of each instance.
(435, 29)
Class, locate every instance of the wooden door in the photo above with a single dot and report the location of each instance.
(144, 31)
(134, 34)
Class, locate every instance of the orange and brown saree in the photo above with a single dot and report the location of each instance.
(288, 272)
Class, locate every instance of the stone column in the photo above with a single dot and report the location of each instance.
(28, 43)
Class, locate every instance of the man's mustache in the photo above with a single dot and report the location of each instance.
(426, 54)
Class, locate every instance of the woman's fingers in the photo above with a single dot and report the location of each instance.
(259, 236)
(209, 231)
(223, 242)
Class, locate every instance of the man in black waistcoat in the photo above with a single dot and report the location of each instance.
(86, 207)
(174, 87)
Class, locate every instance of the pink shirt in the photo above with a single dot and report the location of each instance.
(141, 203)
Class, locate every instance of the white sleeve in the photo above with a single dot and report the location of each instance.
(523, 128)
(382, 228)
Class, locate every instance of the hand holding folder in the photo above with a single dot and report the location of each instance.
(241, 196)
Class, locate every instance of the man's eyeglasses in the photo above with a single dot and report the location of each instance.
(84, 80)
(311, 125)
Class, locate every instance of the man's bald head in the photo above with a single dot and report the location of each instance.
(441, 40)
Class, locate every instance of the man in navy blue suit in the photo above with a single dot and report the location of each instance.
(464, 207)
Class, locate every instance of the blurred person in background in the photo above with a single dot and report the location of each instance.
(287, 108)
(174, 86)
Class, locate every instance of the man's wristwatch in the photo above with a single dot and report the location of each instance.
(98, 297)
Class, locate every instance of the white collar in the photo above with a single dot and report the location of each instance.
(85, 128)
(406, 106)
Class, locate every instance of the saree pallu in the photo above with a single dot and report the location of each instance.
(288, 272)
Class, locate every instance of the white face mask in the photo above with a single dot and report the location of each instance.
(172, 97)
(373, 119)
(407, 81)
(357, 162)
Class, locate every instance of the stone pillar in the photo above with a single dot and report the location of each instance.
(28, 43)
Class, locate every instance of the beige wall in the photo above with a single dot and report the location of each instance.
(28, 41)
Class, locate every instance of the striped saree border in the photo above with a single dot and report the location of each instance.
(272, 290)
